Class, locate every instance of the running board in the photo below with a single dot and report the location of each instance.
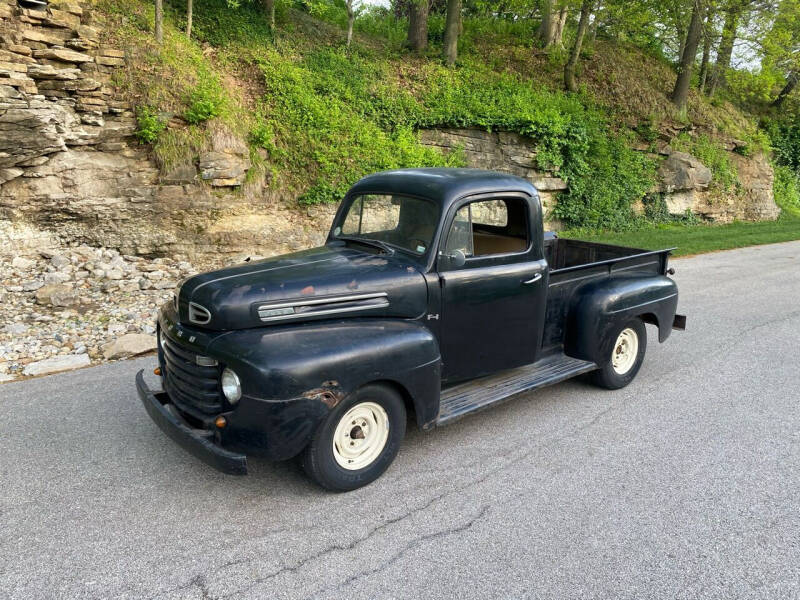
(475, 395)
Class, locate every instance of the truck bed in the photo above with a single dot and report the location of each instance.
(574, 262)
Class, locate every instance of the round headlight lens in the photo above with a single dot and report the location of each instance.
(231, 386)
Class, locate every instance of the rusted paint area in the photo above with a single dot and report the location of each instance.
(307, 291)
(353, 285)
(329, 393)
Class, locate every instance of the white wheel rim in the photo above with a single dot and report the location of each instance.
(360, 436)
(625, 351)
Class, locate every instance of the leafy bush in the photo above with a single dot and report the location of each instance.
(785, 136)
(149, 125)
(205, 102)
(787, 190)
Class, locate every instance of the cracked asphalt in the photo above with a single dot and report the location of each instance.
(686, 484)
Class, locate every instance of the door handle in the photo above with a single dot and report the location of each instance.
(533, 279)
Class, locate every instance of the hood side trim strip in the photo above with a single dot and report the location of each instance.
(378, 300)
(327, 300)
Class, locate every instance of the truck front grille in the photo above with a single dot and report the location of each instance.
(192, 388)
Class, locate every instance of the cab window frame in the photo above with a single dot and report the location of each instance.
(485, 259)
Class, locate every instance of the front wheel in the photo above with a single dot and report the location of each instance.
(623, 356)
(358, 440)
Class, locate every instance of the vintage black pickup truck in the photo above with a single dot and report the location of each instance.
(437, 293)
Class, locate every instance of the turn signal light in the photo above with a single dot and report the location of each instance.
(220, 422)
(157, 371)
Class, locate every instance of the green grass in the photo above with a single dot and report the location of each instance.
(697, 239)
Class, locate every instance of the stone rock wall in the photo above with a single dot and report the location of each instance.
(500, 151)
(72, 172)
(682, 179)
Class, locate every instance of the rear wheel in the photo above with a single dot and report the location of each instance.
(358, 441)
(623, 356)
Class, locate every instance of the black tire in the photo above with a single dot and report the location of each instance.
(319, 461)
(606, 376)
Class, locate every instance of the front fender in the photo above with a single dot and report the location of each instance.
(293, 376)
(600, 307)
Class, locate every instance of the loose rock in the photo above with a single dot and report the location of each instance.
(129, 345)
(56, 364)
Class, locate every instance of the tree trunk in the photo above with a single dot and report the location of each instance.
(681, 91)
(418, 26)
(569, 68)
(269, 9)
(451, 31)
(189, 4)
(708, 38)
(791, 83)
(351, 17)
(547, 25)
(725, 50)
(159, 21)
(558, 34)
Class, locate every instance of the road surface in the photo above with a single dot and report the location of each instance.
(685, 484)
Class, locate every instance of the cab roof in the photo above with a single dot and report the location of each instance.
(441, 185)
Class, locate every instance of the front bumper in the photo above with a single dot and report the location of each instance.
(195, 441)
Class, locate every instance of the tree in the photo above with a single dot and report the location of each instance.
(680, 93)
(159, 21)
(708, 40)
(418, 25)
(554, 19)
(791, 83)
(569, 68)
(189, 18)
(351, 17)
(451, 31)
(269, 9)
(733, 12)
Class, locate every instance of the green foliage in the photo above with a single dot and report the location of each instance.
(785, 136)
(149, 124)
(787, 190)
(656, 212)
(604, 184)
(205, 102)
(725, 177)
(324, 130)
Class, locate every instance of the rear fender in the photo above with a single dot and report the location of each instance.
(600, 307)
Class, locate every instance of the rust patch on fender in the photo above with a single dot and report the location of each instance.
(307, 291)
(328, 393)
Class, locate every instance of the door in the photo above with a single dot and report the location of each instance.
(493, 287)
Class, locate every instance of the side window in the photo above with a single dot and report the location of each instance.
(490, 212)
(460, 236)
(489, 227)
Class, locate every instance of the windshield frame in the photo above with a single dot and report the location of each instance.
(347, 203)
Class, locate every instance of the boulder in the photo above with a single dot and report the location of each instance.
(682, 171)
(20, 262)
(63, 55)
(130, 344)
(56, 364)
(57, 294)
(228, 161)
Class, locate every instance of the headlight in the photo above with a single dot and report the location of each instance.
(231, 386)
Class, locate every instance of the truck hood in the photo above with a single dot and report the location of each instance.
(322, 283)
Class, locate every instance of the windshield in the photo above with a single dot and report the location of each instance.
(399, 221)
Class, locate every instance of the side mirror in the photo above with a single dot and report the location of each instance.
(454, 258)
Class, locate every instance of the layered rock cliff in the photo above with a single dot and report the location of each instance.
(72, 172)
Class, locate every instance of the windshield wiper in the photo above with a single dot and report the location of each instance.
(367, 242)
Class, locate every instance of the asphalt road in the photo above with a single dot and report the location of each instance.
(686, 484)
